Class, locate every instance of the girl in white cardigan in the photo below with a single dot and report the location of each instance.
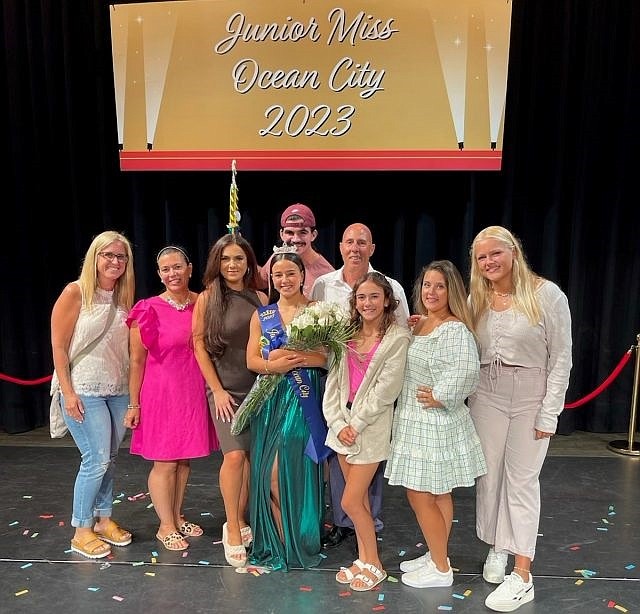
(358, 407)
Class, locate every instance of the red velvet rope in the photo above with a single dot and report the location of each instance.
(25, 382)
(607, 382)
(592, 395)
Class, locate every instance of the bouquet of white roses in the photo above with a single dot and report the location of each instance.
(320, 324)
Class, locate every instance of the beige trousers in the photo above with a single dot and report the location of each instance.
(504, 408)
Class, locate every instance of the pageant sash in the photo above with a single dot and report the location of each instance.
(273, 332)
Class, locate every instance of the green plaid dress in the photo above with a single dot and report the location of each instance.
(437, 449)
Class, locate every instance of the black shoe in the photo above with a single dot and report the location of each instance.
(336, 536)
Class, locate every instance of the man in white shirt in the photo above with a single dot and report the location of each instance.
(356, 249)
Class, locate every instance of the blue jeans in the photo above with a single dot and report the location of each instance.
(98, 438)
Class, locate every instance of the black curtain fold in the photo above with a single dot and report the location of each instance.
(567, 187)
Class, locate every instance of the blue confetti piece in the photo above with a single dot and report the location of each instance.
(93, 589)
(322, 555)
(630, 566)
(154, 553)
(448, 608)
(402, 552)
(602, 529)
(13, 524)
(26, 565)
(381, 597)
(457, 596)
(204, 563)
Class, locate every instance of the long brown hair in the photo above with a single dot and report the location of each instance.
(218, 293)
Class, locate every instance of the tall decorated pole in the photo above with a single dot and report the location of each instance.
(234, 212)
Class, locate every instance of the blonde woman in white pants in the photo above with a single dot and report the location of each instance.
(523, 326)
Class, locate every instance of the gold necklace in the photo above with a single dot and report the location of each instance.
(505, 296)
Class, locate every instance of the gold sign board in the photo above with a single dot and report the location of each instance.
(311, 84)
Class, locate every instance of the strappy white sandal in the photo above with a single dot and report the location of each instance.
(367, 582)
(345, 575)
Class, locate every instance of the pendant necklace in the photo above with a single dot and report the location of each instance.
(179, 306)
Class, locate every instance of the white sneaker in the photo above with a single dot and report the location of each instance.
(428, 576)
(494, 566)
(511, 594)
(413, 564)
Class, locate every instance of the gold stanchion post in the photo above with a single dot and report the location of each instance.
(620, 445)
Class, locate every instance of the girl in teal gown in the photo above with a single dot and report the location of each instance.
(286, 495)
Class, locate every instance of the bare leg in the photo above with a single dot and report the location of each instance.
(433, 523)
(355, 502)
(232, 479)
(162, 488)
(182, 477)
(275, 498)
(522, 566)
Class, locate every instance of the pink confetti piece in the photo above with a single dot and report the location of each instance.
(611, 604)
(574, 548)
(61, 523)
(185, 554)
(307, 589)
(25, 532)
(117, 598)
(344, 594)
(46, 516)
(378, 608)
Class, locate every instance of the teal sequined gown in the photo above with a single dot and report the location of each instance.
(280, 429)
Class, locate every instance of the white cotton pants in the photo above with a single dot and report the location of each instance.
(504, 408)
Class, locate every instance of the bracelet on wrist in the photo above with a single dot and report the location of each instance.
(133, 406)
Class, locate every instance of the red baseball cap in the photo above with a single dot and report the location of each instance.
(301, 211)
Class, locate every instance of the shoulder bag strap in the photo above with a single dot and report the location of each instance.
(80, 355)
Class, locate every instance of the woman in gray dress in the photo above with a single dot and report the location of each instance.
(434, 445)
(221, 330)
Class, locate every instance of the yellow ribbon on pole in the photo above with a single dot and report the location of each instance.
(234, 212)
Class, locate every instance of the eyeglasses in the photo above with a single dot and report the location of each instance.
(111, 256)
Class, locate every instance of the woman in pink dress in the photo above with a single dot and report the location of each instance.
(168, 410)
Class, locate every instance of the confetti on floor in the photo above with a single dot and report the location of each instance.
(344, 594)
(306, 589)
(630, 566)
(378, 608)
(117, 598)
(93, 589)
(22, 592)
(26, 565)
(447, 608)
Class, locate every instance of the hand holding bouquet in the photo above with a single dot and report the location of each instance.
(320, 324)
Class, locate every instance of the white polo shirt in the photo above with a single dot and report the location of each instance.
(333, 288)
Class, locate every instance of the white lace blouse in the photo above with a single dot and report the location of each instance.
(105, 370)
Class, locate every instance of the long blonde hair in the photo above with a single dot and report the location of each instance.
(523, 280)
(124, 290)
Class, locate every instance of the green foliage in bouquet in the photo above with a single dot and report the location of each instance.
(321, 324)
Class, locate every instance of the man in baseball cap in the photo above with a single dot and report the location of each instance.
(298, 230)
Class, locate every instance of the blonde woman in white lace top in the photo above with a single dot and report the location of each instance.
(95, 394)
(523, 325)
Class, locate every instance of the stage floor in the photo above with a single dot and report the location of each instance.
(587, 561)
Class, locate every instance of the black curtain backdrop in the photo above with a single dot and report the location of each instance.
(567, 188)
